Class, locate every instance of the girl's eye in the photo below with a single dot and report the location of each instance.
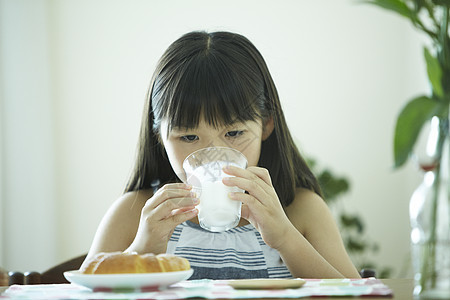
(234, 133)
(189, 138)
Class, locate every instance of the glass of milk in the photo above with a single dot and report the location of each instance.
(203, 168)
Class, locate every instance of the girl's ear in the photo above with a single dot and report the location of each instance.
(267, 128)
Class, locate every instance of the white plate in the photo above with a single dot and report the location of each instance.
(127, 281)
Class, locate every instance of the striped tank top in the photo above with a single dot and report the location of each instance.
(234, 254)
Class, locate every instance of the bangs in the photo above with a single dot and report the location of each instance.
(215, 88)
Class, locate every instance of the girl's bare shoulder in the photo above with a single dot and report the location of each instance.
(126, 210)
(305, 199)
(306, 209)
(119, 225)
(134, 201)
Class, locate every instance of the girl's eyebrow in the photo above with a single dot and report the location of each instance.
(183, 129)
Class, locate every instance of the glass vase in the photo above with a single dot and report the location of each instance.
(430, 225)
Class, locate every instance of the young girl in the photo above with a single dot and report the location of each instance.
(214, 89)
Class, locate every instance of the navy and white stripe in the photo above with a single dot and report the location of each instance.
(233, 254)
(279, 272)
(176, 234)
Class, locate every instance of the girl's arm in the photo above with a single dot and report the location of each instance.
(315, 235)
(305, 235)
(142, 221)
(119, 225)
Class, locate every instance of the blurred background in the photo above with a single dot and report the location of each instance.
(73, 78)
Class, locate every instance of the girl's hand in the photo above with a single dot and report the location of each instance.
(170, 206)
(261, 206)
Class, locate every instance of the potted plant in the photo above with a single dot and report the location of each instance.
(430, 203)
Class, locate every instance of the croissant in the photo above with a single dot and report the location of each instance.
(121, 263)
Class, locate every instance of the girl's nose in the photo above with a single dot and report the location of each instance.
(219, 142)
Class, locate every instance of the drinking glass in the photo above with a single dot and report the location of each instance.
(203, 168)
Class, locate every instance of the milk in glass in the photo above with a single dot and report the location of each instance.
(216, 209)
(204, 171)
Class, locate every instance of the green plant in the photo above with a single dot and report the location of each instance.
(429, 244)
(358, 245)
(432, 18)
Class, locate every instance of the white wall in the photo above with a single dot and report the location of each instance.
(28, 142)
(343, 71)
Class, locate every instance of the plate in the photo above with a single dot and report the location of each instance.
(266, 283)
(127, 281)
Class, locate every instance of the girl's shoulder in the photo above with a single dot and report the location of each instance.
(128, 206)
(134, 200)
(306, 209)
(120, 223)
(305, 198)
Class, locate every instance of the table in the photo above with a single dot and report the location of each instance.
(402, 289)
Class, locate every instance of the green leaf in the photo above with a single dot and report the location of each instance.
(393, 5)
(409, 122)
(434, 73)
(355, 245)
(385, 273)
(352, 221)
(332, 186)
(442, 2)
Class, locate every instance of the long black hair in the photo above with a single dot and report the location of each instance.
(221, 77)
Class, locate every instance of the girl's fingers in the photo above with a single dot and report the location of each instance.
(245, 212)
(181, 210)
(261, 173)
(252, 209)
(166, 208)
(257, 175)
(169, 191)
(184, 202)
(178, 185)
(180, 217)
(246, 199)
(250, 173)
(253, 187)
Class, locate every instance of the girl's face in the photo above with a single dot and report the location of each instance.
(245, 137)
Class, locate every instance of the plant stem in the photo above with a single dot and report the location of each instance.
(419, 24)
(428, 262)
(445, 44)
(431, 14)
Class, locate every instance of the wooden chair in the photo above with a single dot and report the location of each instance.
(366, 273)
(52, 275)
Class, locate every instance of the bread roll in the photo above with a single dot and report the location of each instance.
(122, 263)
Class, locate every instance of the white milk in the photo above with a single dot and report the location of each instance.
(216, 210)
